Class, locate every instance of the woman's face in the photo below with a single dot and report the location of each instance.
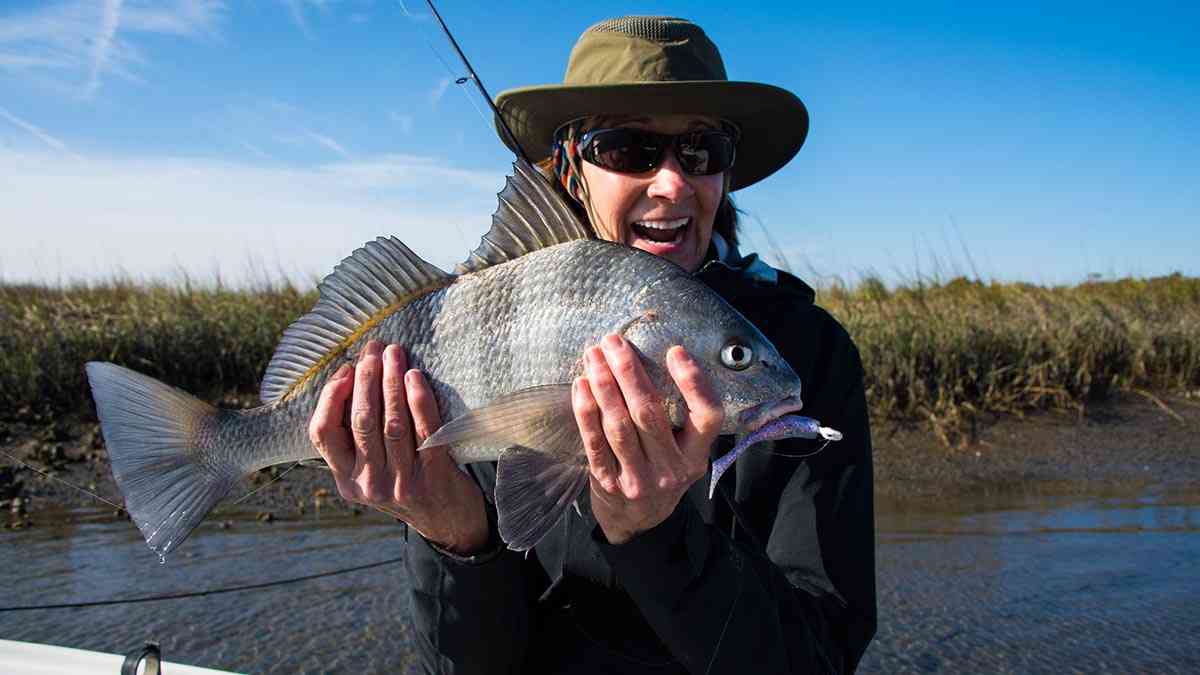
(664, 211)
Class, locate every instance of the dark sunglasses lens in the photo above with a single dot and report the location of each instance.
(624, 150)
(705, 153)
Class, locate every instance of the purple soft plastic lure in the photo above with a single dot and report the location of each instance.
(788, 426)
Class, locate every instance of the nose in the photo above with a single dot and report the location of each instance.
(669, 181)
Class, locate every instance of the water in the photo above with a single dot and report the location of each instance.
(1022, 585)
(1043, 586)
(355, 622)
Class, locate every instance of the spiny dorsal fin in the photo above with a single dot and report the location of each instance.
(364, 289)
(531, 216)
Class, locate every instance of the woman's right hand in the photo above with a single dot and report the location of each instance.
(375, 461)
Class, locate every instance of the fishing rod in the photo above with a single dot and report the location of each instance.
(474, 77)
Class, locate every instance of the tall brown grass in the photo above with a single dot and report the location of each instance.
(942, 353)
(947, 353)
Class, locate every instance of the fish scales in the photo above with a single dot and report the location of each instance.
(499, 343)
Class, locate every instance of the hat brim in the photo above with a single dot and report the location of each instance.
(773, 122)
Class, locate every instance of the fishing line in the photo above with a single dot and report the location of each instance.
(200, 594)
(454, 76)
(51, 476)
(791, 455)
(474, 77)
(255, 491)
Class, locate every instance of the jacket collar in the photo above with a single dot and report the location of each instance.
(724, 261)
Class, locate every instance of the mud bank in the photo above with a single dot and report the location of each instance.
(1127, 444)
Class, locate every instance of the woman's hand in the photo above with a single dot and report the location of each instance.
(375, 461)
(639, 467)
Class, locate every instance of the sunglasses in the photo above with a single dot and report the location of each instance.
(629, 150)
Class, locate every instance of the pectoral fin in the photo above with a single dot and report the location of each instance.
(533, 490)
(537, 417)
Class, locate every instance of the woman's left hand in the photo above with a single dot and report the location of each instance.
(639, 467)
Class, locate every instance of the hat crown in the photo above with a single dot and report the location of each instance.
(633, 49)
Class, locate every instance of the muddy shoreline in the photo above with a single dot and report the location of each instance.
(1126, 445)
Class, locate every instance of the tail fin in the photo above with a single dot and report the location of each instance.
(156, 442)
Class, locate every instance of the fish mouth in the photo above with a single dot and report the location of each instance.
(753, 419)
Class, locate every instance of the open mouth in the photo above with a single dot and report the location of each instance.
(662, 231)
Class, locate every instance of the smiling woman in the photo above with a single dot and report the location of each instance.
(645, 139)
(639, 194)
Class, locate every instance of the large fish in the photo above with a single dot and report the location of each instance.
(500, 341)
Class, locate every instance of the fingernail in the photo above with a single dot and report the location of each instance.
(612, 341)
(342, 372)
(593, 356)
(374, 348)
(392, 353)
(680, 355)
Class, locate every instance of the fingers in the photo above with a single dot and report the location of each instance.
(397, 424)
(325, 429)
(423, 405)
(641, 397)
(365, 423)
(666, 463)
(705, 414)
(619, 430)
(601, 462)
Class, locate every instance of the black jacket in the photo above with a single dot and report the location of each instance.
(776, 574)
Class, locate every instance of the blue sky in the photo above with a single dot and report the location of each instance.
(254, 138)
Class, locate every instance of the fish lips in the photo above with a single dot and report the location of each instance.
(752, 419)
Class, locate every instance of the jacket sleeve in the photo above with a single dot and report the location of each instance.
(809, 604)
(470, 615)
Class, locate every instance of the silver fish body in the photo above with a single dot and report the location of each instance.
(500, 344)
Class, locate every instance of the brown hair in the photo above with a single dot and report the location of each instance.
(725, 221)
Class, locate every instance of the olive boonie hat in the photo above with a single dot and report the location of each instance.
(647, 65)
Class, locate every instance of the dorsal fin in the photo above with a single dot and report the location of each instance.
(364, 289)
(531, 216)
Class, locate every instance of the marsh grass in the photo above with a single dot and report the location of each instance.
(209, 340)
(941, 353)
(947, 353)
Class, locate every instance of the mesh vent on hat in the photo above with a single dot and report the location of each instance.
(653, 28)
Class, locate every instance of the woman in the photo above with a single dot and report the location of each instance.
(774, 575)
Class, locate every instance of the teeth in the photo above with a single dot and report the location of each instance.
(663, 224)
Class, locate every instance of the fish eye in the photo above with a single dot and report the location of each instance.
(736, 356)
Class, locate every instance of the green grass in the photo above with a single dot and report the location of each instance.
(941, 353)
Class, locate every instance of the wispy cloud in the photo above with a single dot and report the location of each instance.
(110, 19)
(396, 171)
(296, 9)
(439, 90)
(414, 15)
(37, 133)
(405, 121)
(74, 46)
(280, 129)
(255, 150)
(201, 215)
(326, 142)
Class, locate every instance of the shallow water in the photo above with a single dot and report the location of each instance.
(1034, 584)
(1043, 585)
(355, 622)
